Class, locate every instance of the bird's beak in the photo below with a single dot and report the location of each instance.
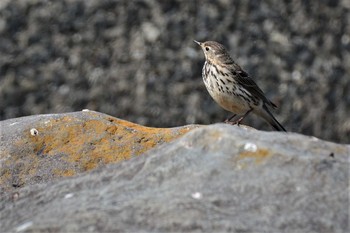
(199, 43)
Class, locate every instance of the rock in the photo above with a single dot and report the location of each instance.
(217, 178)
(41, 148)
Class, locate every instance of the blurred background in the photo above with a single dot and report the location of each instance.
(136, 60)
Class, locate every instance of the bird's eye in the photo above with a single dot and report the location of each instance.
(207, 48)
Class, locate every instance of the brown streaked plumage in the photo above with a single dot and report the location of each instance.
(232, 88)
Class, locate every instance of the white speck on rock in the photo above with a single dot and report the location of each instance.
(197, 195)
(34, 132)
(251, 147)
(68, 195)
(14, 123)
(85, 110)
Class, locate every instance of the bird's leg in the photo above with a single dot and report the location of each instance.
(242, 117)
(228, 120)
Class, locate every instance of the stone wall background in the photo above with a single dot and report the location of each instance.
(136, 60)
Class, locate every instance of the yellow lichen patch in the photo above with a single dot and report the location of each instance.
(73, 143)
(63, 172)
(258, 156)
(69, 172)
(93, 142)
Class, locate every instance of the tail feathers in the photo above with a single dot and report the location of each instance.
(267, 115)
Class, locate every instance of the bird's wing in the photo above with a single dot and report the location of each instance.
(249, 84)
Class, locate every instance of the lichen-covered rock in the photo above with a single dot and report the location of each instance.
(218, 178)
(39, 148)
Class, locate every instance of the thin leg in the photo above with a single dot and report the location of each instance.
(242, 117)
(228, 120)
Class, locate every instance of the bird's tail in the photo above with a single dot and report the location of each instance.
(267, 115)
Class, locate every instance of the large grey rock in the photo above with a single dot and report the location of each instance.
(216, 178)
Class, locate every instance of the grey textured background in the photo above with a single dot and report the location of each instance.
(136, 59)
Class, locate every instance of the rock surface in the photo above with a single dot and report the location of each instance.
(214, 179)
(41, 148)
(136, 59)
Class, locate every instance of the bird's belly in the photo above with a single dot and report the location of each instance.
(230, 102)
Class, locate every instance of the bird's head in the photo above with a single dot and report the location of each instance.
(213, 51)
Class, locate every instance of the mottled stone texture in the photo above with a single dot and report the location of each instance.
(218, 178)
(136, 60)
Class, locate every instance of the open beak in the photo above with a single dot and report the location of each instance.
(199, 43)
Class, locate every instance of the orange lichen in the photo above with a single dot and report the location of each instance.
(259, 155)
(69, 172)
(111, 140)
(78, 144)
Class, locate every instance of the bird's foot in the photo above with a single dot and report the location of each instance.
(228, 120)
(236, 122)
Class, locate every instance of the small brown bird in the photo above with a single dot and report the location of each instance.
(232, 88)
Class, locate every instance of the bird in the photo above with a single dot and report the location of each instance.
(232, 88)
